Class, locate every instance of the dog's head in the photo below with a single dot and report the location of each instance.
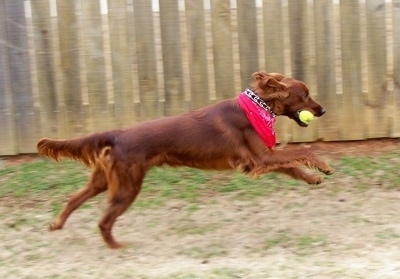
(285, 95)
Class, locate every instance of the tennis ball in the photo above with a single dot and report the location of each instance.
(305, 116)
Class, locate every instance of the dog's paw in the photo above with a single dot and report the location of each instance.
(54, 226)
(328, 171)
(117, 245)
(325, 169)
(315, 180)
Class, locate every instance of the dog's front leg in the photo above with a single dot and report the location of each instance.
(276, 159)
(300, 174)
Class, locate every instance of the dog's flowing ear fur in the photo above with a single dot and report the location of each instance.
(269, 87)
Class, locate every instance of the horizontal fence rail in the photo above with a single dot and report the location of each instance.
(73, 67)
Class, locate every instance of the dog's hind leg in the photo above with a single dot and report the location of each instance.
(96, 185)
(129, 185)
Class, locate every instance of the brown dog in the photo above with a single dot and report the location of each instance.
(218, 137)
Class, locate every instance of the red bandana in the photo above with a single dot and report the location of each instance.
(261, 119)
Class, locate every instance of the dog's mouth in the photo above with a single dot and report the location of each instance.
(296, 118)
(295, 115)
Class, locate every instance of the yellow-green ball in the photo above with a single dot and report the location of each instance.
(306, 117)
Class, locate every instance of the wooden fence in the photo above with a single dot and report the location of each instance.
(72, 67)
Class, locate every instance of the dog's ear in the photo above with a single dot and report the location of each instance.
(277, 76)
(268, 86)
(259, 75)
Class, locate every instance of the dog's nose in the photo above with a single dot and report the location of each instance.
(323, 111)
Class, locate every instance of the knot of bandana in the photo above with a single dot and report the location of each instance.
(260, 118)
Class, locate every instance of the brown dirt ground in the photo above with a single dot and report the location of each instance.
(316, 233)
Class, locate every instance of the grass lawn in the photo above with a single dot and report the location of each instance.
(188, 223)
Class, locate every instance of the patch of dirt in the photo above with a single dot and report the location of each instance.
(370, 147)
(331, 231)
(16, 160)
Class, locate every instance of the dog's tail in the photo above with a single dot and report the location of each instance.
(85, 149)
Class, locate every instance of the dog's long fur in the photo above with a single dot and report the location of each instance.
(217, 137)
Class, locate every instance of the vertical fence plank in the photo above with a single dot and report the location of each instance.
(248, 42)
(301, 57)
(222, 49)
(352, 109)
(20, 76)
(8, 139)
(325, 68)
(121, 60)
(42, 36)
(274, 55)
(146, 59)
(273, 39)
(136, 106)
(396, 67)
(299, 38)
(172, 56)
(74, 124)
(195, 19)
(377, 99)
(95, 65)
